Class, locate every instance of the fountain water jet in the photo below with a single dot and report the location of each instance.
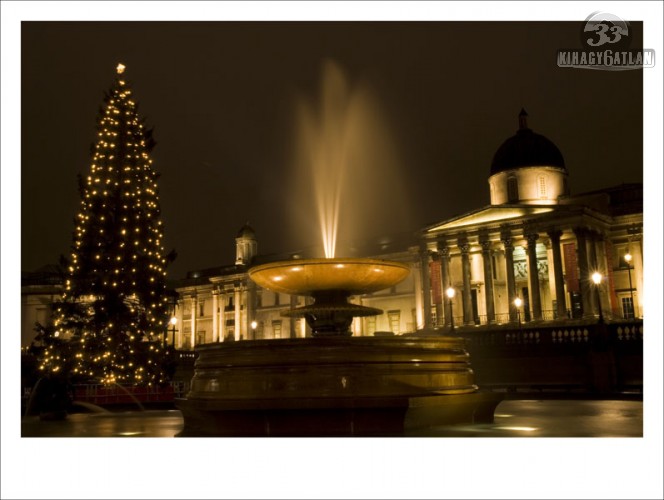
(346, 164)
(332, 384)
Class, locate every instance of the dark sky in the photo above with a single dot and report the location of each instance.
(221, 98)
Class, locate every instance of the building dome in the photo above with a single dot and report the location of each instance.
(246, 231)
(526, 149)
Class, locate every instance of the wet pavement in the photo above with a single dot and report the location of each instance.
(513, 418)
(553, 418)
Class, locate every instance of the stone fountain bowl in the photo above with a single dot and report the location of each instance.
(335, 386)
(354, 276)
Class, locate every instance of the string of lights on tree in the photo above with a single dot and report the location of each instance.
(111, 319)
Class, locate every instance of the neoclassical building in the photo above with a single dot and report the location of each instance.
(536, 243)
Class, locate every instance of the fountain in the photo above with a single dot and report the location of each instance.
(330, 282)
(332, 384)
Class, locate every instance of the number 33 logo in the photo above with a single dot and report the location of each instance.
(604, 28)
(605, 34)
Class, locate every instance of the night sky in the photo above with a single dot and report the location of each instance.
(221, 98)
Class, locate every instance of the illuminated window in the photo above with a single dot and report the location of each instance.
(394, 318)
(370, 325)
(512, 190)
(276, 328)
(627, 307)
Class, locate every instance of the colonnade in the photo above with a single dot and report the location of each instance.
(590, 257)
(219, 327)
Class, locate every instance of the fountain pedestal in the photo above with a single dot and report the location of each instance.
(333, 386)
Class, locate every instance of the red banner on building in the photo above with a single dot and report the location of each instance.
(436, 284)
(571, 267)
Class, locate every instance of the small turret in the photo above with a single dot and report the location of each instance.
(246, 246)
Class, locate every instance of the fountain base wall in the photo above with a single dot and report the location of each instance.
(337, 386)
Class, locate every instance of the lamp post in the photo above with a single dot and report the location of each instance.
(628, 261)
(450, 295)
(597, 279)
(253, 329)
(518, 302)
(173, 322)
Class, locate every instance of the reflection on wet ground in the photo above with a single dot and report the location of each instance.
(513, 418)
(148, 423)
(553, 418)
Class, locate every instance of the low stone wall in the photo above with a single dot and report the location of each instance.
(581, 357)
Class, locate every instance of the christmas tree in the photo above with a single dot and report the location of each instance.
(111, 323)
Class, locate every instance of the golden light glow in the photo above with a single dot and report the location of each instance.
(120, 68)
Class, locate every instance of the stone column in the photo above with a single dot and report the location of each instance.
(194, 304)
(215, 315)
(595, 266)
(601, 266)
(222, 317)
(419, 300)
(533, 276)
(426, 287)
(559, 281)
(250, 309)
(488, 280)
(293, 321)
(464, 246)
(180, 323)
(584, 275)
(437, 294)
(509, 273)
(636, 249)
(238, 318)
(446, 282)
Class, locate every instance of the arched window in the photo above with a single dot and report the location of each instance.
(512, 190)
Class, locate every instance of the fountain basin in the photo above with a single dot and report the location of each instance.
(311, 276)
(336, 386)
(330, 282)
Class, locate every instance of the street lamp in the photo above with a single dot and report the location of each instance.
(450, 295)
(518, 302)
(597, 279)
(173, 321)
(253, 329)
(628, 261)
